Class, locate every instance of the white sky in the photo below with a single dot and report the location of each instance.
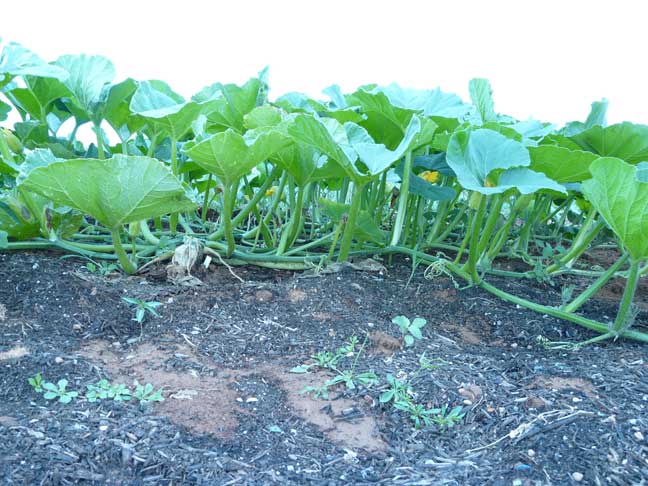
(545, 59)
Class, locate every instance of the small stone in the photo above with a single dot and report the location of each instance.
(58, 360)
(638, 435)
(517, 482)
(103, 428)
(531, 453)
(514, 345)
(77, 327)
(251, 400)
(295, 295)
(578, 477)
(263, 296)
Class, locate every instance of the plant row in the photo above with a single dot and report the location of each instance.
(297, 182)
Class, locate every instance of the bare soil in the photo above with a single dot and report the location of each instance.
(233, 413)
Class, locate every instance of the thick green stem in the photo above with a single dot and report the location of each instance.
(205, 206)
(575, 304)
(473, 250)
(347, 237)
(552, 311)
(402, 201)
(226, 219)
(622, 319)
(100, 147)
(128, 266)
(146, 233)
(245, 212)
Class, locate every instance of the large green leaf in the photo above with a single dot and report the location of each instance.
(117, 112)
(375, 156)
(114, 191)
(329, 138)
(229, 155)
(597, 116)
(385, 122)
(433, 102)
(301, 161)
(38, 95)
(627, 141)
(227, 104)
(487, 162)
(164, 109)
(561, 164)
(88, 76)
(481, 95)
(622, 199)
(15, 60)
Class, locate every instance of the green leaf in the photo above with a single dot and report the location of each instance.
(561, 164)
(117, 112)
(375, 156)
(88, 76)
(16, 220)
(483, 161)
(164, 109)
(385, 122)
(627, 141)
(50, 395)
(597, 116)
(409, 340)
(15, 60)
(642, 171)
(481, 95)
(622, 199)
(401, 321)
(39, 94)
(115, 191)
(365, 228)
(430, 102)
(416, 332)
(229, 155)
(300, 369)
(329, 138)
(419, 322)
(226, 105)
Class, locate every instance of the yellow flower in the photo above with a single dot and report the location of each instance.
(271, 191)
(431, 176)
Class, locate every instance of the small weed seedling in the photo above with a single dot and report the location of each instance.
(329, 360)
(147, 394)
(36, 382)
(398, 391)
(411, 331)
(58, 390)
(101, 268)
(142, 307)
(443, 418)
(104, 390)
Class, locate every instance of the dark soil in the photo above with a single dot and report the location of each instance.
(233, 413)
